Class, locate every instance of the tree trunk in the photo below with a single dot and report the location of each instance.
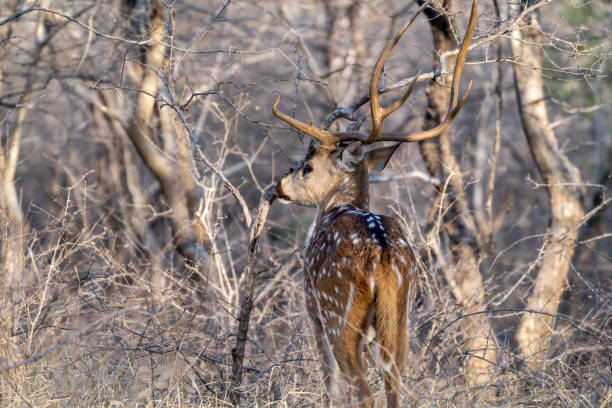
(462, 275)
(562, 181)
(156, 160)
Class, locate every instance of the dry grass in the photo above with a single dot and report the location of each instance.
(102, 310)
(96, 331)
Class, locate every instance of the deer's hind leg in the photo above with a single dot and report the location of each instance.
(350, 361)
(327, 360)
(349, 352)
(393, 376)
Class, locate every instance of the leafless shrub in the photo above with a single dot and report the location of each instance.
(126, 204)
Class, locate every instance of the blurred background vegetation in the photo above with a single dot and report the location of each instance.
(137, 140)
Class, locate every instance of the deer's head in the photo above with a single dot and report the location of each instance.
(338, 172)
(336, 166)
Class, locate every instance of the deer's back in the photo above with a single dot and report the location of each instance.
(347, 248)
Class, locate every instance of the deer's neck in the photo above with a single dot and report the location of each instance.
(348, 192)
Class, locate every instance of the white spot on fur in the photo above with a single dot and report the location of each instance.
(398, 274)
(372, 285)
(349, 302)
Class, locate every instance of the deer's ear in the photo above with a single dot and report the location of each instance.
(351, 156)
(380, 156)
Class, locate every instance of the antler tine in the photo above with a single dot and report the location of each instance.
(465, 45)
(454, 107)
(431, 133)
(326, 138)
(387, 111)
(379, 114)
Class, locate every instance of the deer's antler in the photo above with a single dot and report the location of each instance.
(326, 138)
(379, 114)
(454, 107)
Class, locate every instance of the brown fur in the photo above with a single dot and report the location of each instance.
(359, 272)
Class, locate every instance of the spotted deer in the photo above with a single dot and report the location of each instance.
(359, 270)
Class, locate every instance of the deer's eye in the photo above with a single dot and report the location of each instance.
(307, 169)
